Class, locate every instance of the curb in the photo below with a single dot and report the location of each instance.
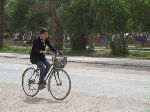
(105, 63)
(88, 62)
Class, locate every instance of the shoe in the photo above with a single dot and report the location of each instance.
(41, 87)
(42, 84)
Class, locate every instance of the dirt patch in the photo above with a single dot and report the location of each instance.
(13, 99)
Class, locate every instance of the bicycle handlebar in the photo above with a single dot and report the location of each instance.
(55, 54)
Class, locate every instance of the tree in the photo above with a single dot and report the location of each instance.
(16, 11)
(111, 19)
(38, 15)
(81, 18)
(76, 22)
(57, 28)
(50, 7)
(1, 22)
(140, 15)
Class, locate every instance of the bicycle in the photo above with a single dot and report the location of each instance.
(58, 80)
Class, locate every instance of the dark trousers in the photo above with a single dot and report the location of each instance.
(44, 67)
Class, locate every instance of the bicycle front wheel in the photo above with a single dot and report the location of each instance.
(30, 82)
(59, 84)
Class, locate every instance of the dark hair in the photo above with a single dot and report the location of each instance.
(42, 30)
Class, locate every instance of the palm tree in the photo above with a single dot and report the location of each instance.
(1, 22)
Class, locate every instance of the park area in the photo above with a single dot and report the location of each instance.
(106, 44)
(105, 29)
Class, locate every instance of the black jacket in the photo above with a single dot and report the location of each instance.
(38, 45)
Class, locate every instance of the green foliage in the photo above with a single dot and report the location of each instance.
(85, 16)
(16, 11)
(110, 15)
(77, 22)
(139, 54)
(119, 47)
(22, 15)
(82, 17)
(39, 14)
(139, 14)
(75, 16)
(9, 49)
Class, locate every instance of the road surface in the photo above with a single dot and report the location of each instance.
(97, 88)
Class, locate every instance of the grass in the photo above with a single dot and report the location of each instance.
(107, 53)
(139, 54)
(9, 49)
(91, 53)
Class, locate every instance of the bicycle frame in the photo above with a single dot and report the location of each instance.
(52, 69)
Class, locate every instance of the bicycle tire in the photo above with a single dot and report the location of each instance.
(50, 84)
(23, 78)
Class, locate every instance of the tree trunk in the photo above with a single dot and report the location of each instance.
(119, 45)
(90, 40)
(1, 22)
(57, 32)
(78, 42)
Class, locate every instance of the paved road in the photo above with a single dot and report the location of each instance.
(101, 80)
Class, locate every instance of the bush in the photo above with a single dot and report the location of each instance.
(119, 47)
(67, 45)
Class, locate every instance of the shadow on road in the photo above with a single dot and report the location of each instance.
(38, 100)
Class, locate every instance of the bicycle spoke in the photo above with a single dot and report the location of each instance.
(29, 82)
(59, 84)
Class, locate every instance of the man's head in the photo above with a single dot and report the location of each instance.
(43, 33)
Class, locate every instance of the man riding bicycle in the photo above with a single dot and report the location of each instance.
(37, 55)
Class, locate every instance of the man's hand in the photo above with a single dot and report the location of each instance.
(61, 53)
(44, 52)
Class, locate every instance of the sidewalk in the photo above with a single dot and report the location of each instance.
(93, 60)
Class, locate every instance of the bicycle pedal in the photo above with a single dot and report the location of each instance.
(32, 82)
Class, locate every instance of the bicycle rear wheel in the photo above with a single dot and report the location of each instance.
(30, 80)
(59, 84)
